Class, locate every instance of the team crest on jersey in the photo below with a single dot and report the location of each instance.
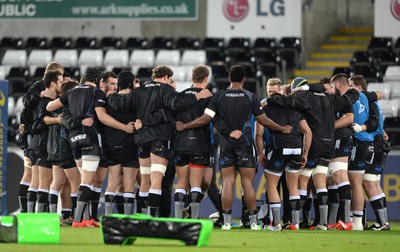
(395, 9)
(78, 137)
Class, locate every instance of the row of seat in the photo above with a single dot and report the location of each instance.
(146, 43)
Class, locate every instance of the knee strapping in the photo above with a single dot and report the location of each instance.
(90, 162)
(371, 177)
(145, 170)
(338, 166)
(158, 168)
(320, 170)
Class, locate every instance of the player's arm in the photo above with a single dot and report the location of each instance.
(54, 105)
(305, 129)
(344, 121)
(259, 139)
(109, 121)
(372, 123)
(268, 123)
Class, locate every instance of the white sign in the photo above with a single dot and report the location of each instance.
(254, 18)
(387, 19)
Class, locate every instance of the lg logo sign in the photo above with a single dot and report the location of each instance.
(237, 10)
(395, 9)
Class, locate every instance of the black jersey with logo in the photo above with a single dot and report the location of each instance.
(284, 116)
(196, 141)
(118, 138)
(149, 99)
(39, 128)
(319, 110)
(82, 101)
(235, 108)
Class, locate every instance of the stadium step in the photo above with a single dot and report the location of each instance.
(336, 51)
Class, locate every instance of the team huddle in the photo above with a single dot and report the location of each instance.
(143, 134)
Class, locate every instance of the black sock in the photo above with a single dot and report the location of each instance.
(119, 203)
(94, 204)
(153, 203)
(73, 204)
(23, 200)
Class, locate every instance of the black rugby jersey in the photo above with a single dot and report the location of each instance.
(117, 138)
(284, 116)
(195, 141)
(150, 98)
(82, 101)
(235, 108)
(39, 128)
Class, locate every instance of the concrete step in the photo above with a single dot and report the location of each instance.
(327, 64)
(331, 55)
(312, 72)
(343, 47)
(337, 38)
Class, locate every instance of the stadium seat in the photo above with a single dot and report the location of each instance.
(137, 43)
(392, 128)
(390, 108)
(370, 73)
(233, 56)
(15, 58)
(268, 57)
(221, 83)
(11, 106)
(361, 58)
(397, 45)
(382, 87)
(179, 73)
(61, 43)
(383, 59)
(239, 43)
(75, 72)
(381, 44)
(141, 58)
(269, 70)
(219, 70)
(162, 43)
(290, 49)
(395, 87)
(3, 72)
(37, 74)
(213, 44)
(36, 43)
(11, 43)
(264, 44)
(345, 70)
(188, 43)
(392, 73)
(66, 57)
(215, 56)
(90, 58)
(251, 84)
(111, 42)
(39, 58)
(22, 72)
(168, 57)
(116, 58)
(86, 43)
(144, 74)
(19, 106)
(193, 57)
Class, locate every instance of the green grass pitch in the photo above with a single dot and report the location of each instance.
(235, 240)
